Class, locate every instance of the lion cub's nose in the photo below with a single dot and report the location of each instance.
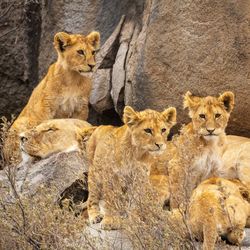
(91, 66)
(210, 131)
(159, 145)
(23, 138)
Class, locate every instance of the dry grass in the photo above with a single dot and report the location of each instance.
(39, 222)
(145, 223)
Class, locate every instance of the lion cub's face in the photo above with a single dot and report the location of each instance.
(77, 52)
(51, 137)
(209, 114)
(149, 128)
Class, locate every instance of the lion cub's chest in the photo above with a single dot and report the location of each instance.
(207, 164)
(70, 104)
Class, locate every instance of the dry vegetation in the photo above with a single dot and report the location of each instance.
(39, 222)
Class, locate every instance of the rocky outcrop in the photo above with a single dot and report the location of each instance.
(149, 58)
(64, 174)
(19, 44)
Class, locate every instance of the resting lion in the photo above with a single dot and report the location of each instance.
(53, 136)
(236, 158)
(112, 151)
(64, 91)
(197, 151)
(218, 207)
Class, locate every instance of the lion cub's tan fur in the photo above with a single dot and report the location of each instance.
(197, 151)
(114, 150)
(218, 207)
(53, 136)
(236, 158)
(64, 91)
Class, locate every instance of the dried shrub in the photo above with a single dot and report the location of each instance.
(39, 222)
(145, 224)
(4, 127)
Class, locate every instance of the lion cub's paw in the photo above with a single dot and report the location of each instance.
(236, 236)
(110, 223)
(95, 218)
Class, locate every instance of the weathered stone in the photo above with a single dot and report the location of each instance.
(119, 73)
(57, 172)
(100, 97)
(18, 49)
(106, 56)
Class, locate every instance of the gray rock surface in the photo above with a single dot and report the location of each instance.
(19, 42)
(58, 173)
(100, 97)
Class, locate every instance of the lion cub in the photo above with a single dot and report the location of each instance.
(197, 151)
(65, 90)
(218, 207)
(54, 136)
(112, 151)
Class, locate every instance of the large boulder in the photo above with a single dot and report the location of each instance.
(64, 174)
(19, 44)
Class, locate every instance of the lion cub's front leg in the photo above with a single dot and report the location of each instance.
(110, 222)
(112, 219)
(94, 198)
(177, 184)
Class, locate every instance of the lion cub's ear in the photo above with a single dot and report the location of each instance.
(245, 193)
(94, 39)
(190, 102)
(227, 99)
(85, 133)
(61, 41)
(170, 115)
(130, 116)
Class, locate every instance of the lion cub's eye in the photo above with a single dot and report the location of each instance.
(148, 131)
(80, 52)
(202, 116)
(217, 115)
(51, 129)
(93, 52)
(163, 130)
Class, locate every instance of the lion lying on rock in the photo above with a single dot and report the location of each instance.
(53, 136)
(63, 93)
(217, 207)
(116, 150)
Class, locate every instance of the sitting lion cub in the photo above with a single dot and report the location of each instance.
(54, 136)
(218, 207)
(113, 150)
(197, 151)
(65, 90)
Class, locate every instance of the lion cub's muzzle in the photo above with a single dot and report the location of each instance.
(23, 139)
(158, 148)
